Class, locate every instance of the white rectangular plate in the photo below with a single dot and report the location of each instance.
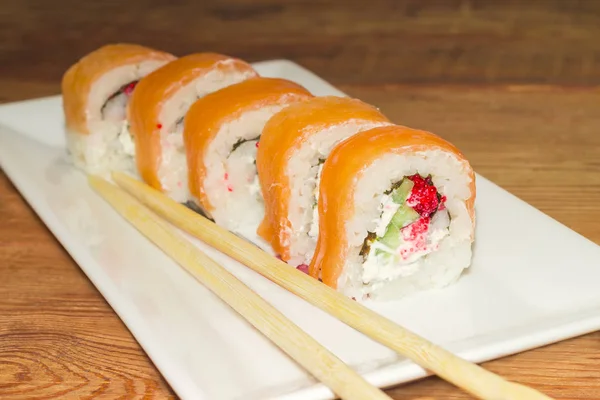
(532, 282)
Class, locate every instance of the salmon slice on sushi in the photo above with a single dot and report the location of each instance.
(95, 94)
(396, 214)
(222, 133)
(293, 147)
(157, 109)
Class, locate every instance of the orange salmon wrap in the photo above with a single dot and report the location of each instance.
(396, 214)
(95, 94)
(157, 109)
(293, 146)
(221, 135)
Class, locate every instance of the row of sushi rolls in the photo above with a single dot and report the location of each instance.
(328, 184)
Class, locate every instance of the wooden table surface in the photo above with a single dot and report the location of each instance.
(511, 84)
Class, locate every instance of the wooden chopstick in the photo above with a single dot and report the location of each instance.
(324, 365)
(470, 377)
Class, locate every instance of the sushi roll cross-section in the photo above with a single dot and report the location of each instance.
(222, 134)
(95, 93)
(396, 214)
(294, 145)
(157, 111)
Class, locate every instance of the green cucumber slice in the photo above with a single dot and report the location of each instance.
(403, 216)
(400, 194)
(392, 237)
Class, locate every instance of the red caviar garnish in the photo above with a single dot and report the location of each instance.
(159, 126)
(129, 88)
(416, 230)
(423, 196)
(229, 188)
(442, 205)
(417, 234)
(257, 144)
(302, 268)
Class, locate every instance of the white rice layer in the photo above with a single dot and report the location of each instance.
(231, 183)
(449, 232)
(172, 171)
(101, 152)
(303, 171)
(108, 146)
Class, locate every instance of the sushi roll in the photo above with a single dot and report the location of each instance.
(396, 214)
(95, 94)
(157, 109)
(293, 147)
(222, 133)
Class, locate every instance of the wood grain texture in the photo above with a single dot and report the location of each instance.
(388, 41)
(453, 67)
